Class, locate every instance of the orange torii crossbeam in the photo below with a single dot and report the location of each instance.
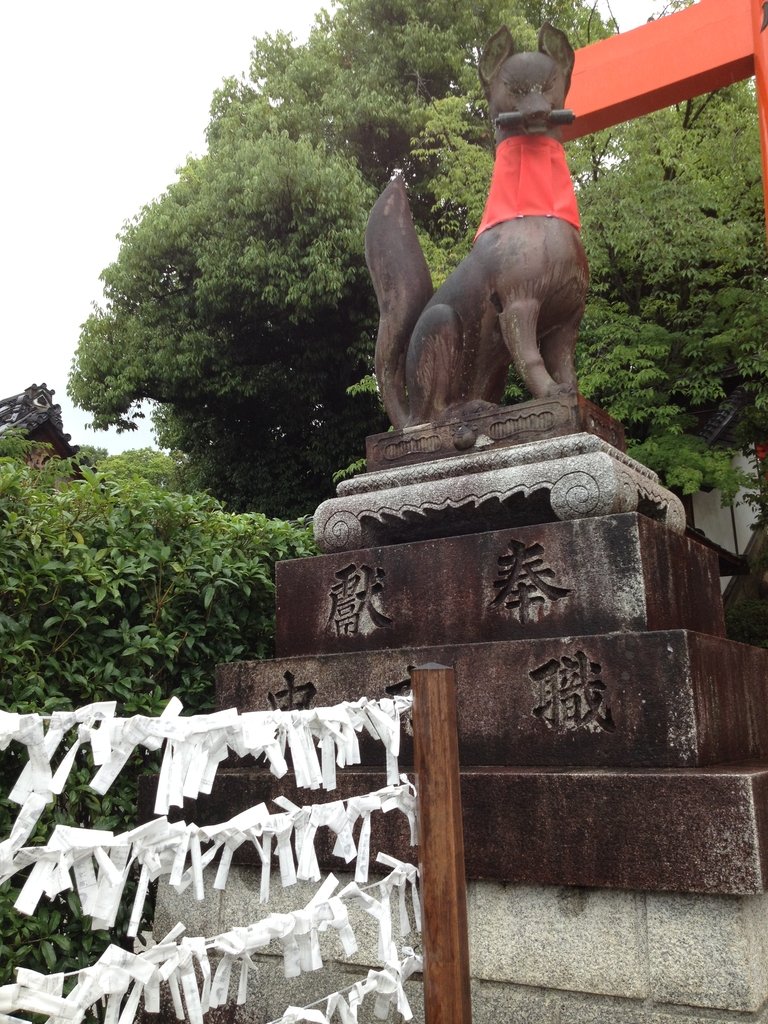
(702, 48)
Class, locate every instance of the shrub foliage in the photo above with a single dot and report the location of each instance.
(116, 590)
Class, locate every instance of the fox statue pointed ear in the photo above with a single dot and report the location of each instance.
(496, 50)
(555, 44)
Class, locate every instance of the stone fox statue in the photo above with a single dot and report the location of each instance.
(519, 295)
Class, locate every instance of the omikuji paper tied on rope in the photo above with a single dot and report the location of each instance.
(194, 748)
(97, 862)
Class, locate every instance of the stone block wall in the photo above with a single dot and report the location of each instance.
(539, 954)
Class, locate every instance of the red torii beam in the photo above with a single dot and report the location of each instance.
(703, 48)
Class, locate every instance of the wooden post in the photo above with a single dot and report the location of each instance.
(441, 847)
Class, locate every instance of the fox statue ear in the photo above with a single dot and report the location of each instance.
(555, 44)
(497, 49)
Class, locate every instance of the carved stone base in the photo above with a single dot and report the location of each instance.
(491, 428)
(619, 572)
(666, 699)
(574, 477)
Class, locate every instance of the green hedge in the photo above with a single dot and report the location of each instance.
(747, 622)
(116, 591)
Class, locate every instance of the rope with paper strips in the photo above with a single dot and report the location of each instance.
(124, 979)
(194, 748)
(101, 861)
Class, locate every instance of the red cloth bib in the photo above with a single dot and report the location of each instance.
(530, 179)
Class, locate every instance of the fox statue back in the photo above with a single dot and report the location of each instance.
(518, 297)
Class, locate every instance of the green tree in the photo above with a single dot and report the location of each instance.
(674, 228)
(167, 470)
(91, 454)
(239, 300)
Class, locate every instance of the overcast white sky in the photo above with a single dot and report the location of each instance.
(100, 102)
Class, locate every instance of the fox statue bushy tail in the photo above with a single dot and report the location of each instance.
(403, 287)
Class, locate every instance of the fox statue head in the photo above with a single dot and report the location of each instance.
(526, 91)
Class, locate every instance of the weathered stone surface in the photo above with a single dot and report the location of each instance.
(582, 1009)
(583, 940)
(492, 1003)
(541, 953)
(200, 917)
(676, 830)
(502, 427)
(574, 477)
(708, 951)
(685, 830)
(619, 572)
(667, 698)
(241, 906)
(269, 994)
(674, 950)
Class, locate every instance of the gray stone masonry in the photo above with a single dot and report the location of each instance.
(539, 954)
(562, 478)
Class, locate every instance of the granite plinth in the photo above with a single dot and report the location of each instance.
(620, 572)
(538, 953)
(499, 427)
(574, 477)
(701, 830)
(667, 698)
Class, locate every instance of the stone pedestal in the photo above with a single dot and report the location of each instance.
(539, 954)
(614, 744)
(490, 429)
(598, 575)
(577, 476)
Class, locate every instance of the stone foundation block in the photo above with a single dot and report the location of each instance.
(581, 940)
(668, 698)
(543, 955)
(675, 830)
(708, 952)
(618, 573)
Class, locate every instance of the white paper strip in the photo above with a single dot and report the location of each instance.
(194, 747)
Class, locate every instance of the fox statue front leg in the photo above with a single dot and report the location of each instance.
(518, 327)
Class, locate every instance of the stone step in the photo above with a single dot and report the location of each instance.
(620, 572)
(666, 698)
(679, 830)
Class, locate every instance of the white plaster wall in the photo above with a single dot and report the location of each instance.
(731, 532)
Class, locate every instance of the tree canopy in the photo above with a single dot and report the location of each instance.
(165, 470)
(672, 214)
(240, 302)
